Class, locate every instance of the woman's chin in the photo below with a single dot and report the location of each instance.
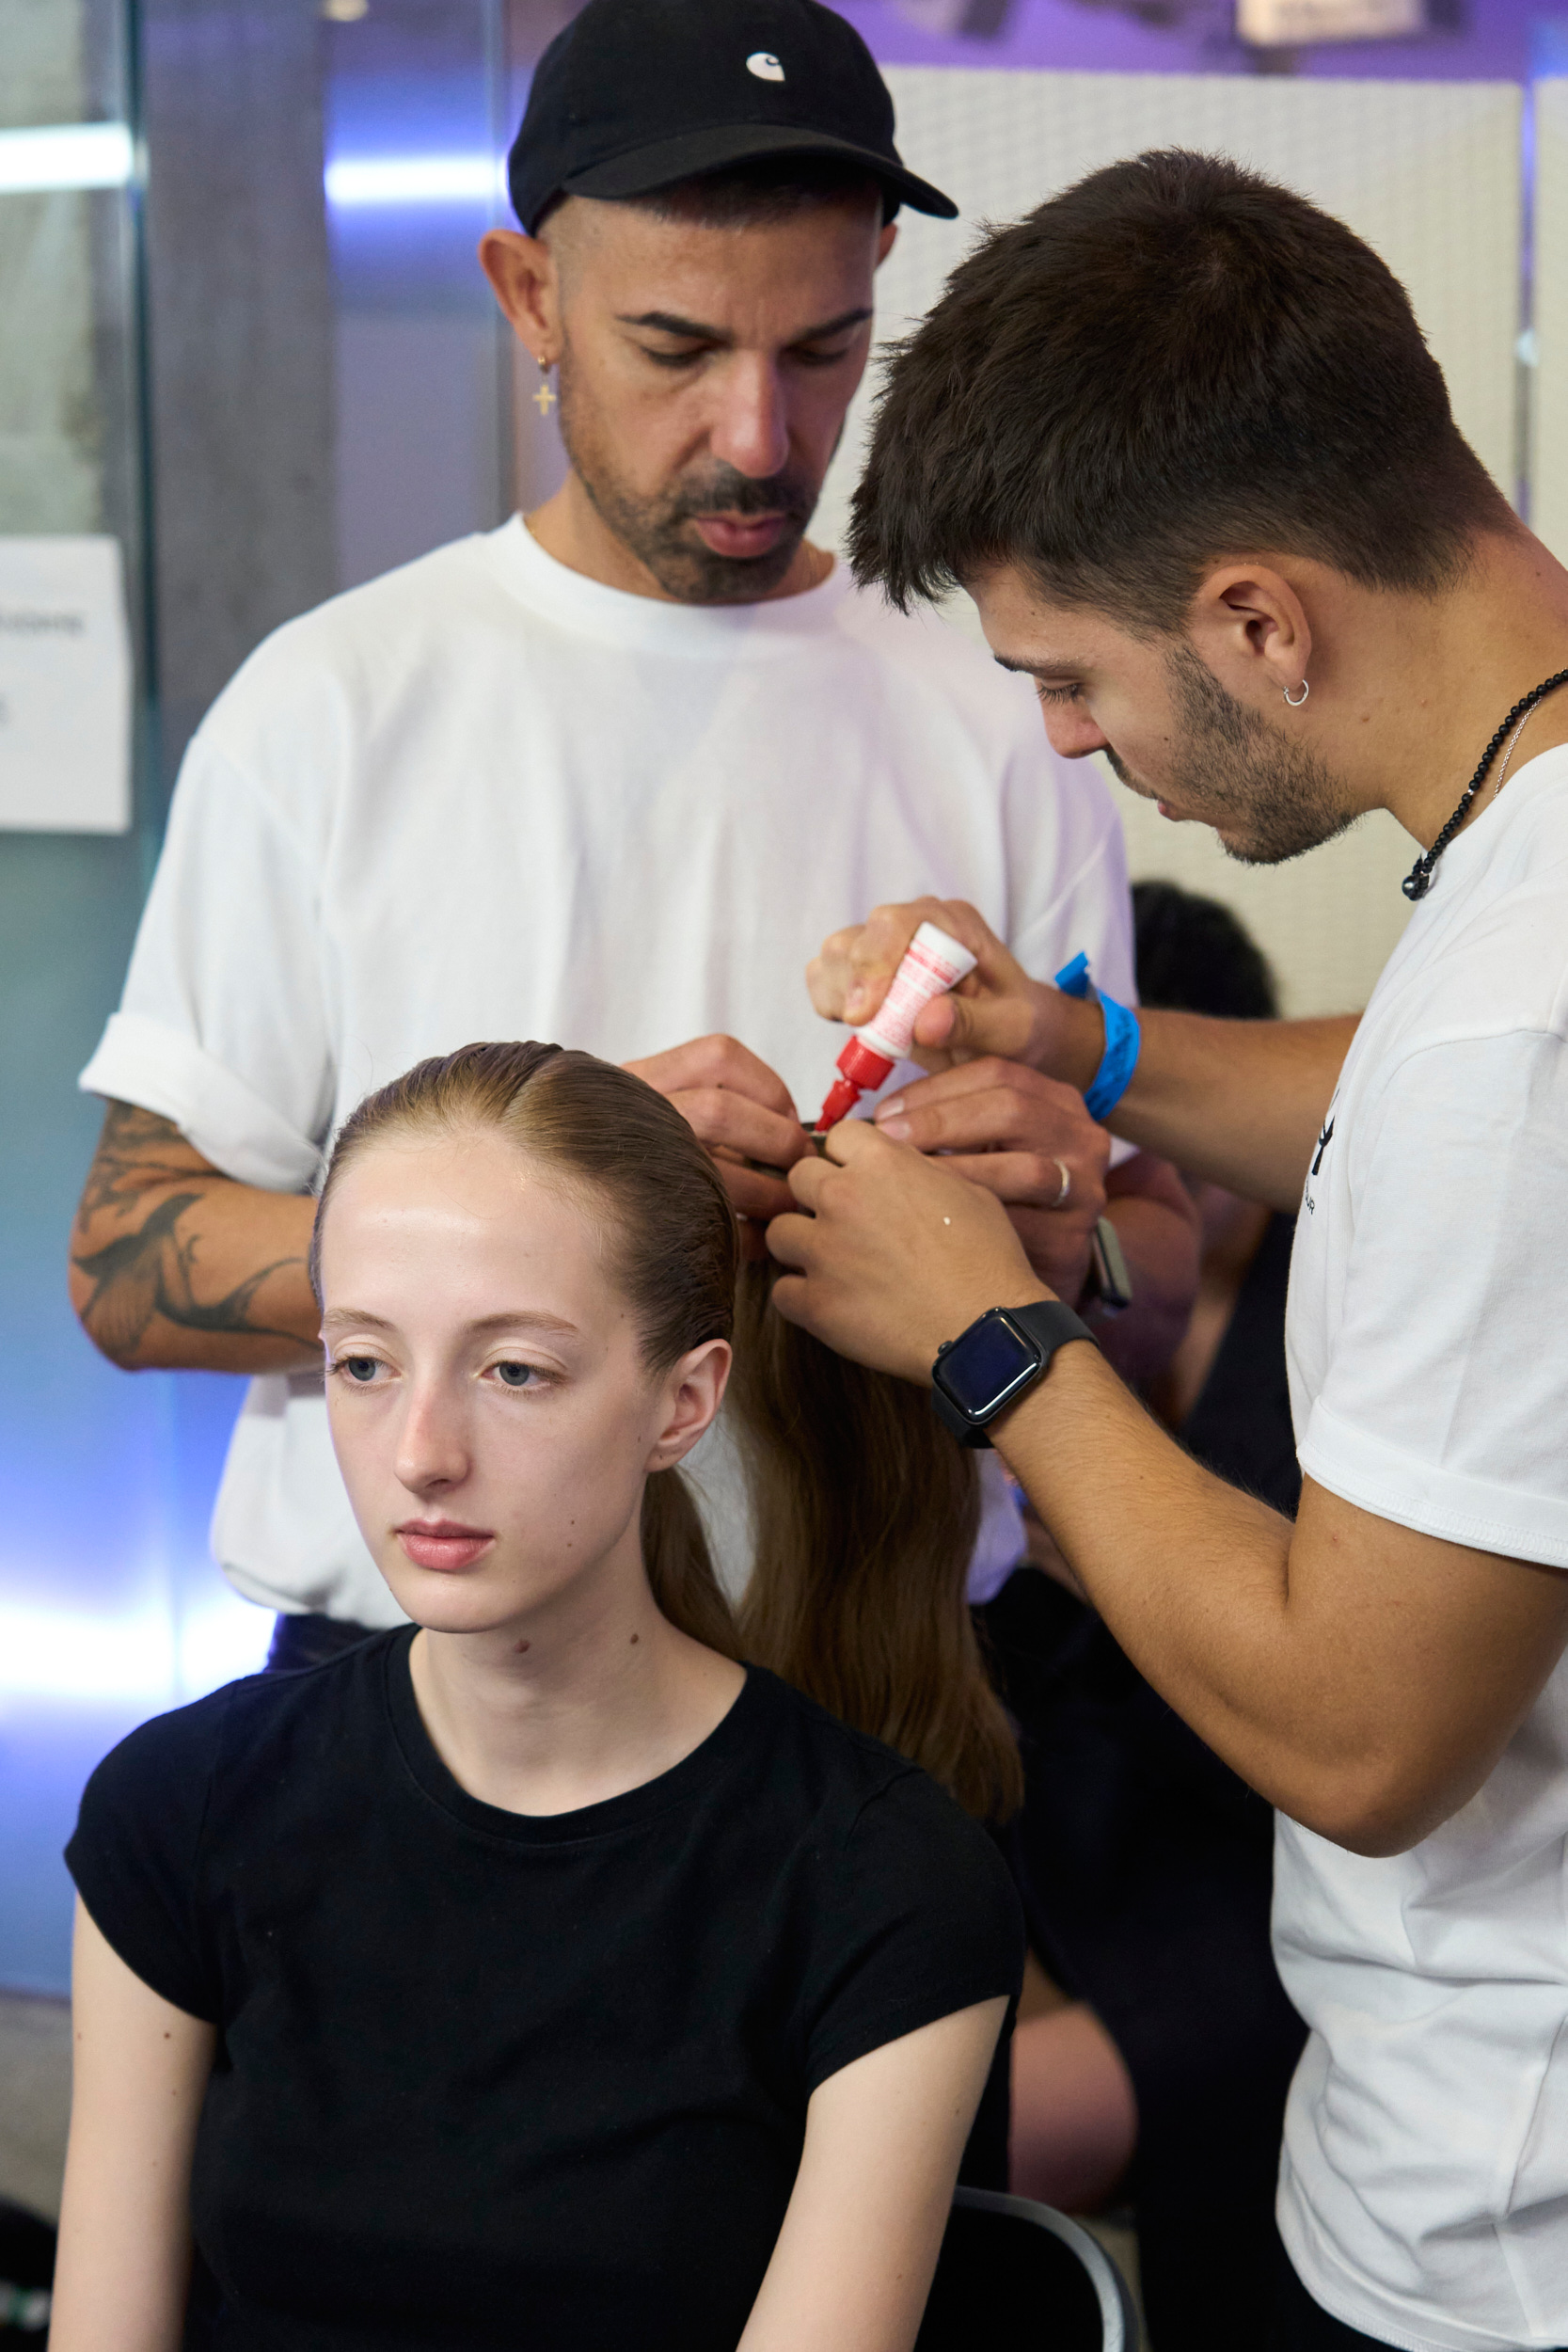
(443, 1603)
(471, 1602)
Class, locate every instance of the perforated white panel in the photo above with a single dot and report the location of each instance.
(1427, 172)
(1549, 480)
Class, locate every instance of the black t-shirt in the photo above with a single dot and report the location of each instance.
(488, 2078)
(1240, 1424)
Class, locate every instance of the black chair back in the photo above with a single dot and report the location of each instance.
(1017, 2277)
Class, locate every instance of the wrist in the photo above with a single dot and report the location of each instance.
(994, 1362)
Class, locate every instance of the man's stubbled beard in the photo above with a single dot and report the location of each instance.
(654, 528)
(1270, 798)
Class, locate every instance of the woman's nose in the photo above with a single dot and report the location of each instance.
(432, 1444)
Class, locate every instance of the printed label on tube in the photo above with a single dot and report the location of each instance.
(933, 963)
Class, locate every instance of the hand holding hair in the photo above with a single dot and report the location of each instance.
(894, 1254)
(997, 1011)
(1027, 1139)
(739, 1108)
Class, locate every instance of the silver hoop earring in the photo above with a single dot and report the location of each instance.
(1295, 701)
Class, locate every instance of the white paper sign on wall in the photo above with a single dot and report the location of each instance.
(65, 686)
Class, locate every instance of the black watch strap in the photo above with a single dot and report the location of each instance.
(1046, 1325)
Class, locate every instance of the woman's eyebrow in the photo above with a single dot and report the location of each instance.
(529, 1318)
(522, 1318)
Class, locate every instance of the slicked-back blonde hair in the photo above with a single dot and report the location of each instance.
(669, 1229)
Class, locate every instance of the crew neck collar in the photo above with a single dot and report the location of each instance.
(1470, 852)
(728, 1741)
(572, 600)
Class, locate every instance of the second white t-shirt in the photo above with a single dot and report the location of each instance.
(1424, 2192)
(487, 797)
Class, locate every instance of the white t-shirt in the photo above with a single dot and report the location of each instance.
(1424, 2189)
(485, 796)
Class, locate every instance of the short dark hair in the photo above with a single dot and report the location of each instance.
(1195, 956)
(1173, 362)
(755, 196)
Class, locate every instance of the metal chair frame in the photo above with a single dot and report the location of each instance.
(1118, 2316)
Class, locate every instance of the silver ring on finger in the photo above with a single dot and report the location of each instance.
(1066, 1194)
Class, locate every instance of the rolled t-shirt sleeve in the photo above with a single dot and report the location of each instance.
(920, 1920)
(1444, 1400)
(135, 1854)
(222, 1027)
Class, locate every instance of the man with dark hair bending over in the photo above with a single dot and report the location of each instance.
(1179, 434)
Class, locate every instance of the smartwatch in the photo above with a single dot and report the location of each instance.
(988, 1368)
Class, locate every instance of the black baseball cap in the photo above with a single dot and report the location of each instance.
(636, 95)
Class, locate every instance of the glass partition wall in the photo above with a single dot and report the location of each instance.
(87, 1604)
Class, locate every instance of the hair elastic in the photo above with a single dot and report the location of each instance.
(1124, 1039)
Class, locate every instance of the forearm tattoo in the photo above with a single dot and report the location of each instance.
(148, 1271)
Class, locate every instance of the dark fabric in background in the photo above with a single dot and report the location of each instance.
(1147, 1872)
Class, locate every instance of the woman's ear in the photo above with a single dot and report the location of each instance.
(691, 1396)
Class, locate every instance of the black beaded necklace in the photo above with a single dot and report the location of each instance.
(1418, 880)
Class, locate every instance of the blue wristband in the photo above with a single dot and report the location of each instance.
(1123, 1040)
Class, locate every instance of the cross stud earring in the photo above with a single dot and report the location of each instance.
(544, 399)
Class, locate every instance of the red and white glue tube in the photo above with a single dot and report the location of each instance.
(932, 964)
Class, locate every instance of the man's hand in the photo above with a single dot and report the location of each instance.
(896, 1253)
(997, 1011)
(1239, 1101)
(740, 1109)
(1025, 1138)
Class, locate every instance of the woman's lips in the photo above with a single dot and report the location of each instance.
(737, 536)
(440, 1544)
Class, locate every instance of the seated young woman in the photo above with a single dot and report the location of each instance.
(536, 1973)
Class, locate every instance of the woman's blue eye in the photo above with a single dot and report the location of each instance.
(515, 1376)
(361, 1369)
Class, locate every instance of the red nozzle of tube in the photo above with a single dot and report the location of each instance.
(861, 1069)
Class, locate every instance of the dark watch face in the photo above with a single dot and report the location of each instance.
(989, 1360)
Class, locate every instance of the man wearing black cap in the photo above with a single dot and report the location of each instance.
(605, 776)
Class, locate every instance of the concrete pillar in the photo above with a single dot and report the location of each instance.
(240, 336)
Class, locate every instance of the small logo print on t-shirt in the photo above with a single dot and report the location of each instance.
(1323, 1142)
(767, 68)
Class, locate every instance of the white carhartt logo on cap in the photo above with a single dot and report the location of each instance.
(767, 68)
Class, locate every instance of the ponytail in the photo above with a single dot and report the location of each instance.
(680, 1566)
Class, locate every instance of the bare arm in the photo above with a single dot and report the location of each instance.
(1239, 1101)
(884, 2136)
(1362, 1676)
(139, 2074)
(176, 1265)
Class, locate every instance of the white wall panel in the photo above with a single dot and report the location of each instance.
(1427, 172)
(1549, 472)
